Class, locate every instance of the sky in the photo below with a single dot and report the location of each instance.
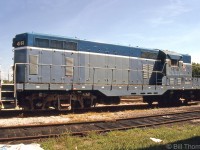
(163, 24)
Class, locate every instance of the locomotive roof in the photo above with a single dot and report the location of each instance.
(98, 47)
(63, 38)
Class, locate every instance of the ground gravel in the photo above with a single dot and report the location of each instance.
(90, 116)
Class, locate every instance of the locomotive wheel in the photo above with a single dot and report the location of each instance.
(177, 103)
(150, 103)
(161, 103)
(25, 104)
(149, 100)
(38, 104)
(55, 105)
(185, 102)
(75, 104)
(87, 103)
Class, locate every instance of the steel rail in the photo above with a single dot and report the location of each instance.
(28, 132)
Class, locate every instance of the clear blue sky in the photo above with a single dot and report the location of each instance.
(163, 24)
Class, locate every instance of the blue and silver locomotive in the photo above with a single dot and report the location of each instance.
(60, 72)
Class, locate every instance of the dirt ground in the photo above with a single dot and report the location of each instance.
(92, 116)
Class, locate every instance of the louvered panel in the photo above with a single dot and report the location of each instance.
(33, 69)
(150, 70)
(145, 71)
(179, 81)
(171, 81)
(69, 66)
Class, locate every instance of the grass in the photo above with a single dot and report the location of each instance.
(128, 140)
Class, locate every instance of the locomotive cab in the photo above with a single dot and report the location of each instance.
(173, 68)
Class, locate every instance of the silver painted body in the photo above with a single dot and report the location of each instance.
(112, 75)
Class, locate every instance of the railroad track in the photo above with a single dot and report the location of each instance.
(30, 132)
(105, 108)
(36, 113)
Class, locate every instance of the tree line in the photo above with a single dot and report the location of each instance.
(195, 69)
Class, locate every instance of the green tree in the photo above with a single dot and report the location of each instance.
(195, 69)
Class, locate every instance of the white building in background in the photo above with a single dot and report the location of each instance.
(6, 73)
(10, 73)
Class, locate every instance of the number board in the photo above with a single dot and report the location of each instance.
(19, 43)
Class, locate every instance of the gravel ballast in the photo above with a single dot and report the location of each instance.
(90, 116)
